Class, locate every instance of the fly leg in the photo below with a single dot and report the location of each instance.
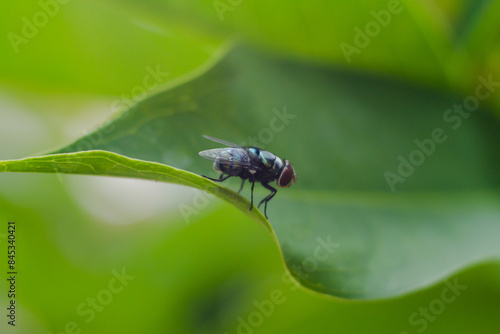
(220, 179)
(242, 183)
(251, 196)
(268, 197)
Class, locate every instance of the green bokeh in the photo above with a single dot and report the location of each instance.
(202, 277)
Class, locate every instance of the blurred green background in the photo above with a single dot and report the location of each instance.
(60, 79)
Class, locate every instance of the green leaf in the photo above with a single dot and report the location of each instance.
(341, 229)
(377, 35)
(110, 164)
(479, 43)
(200, 278)
(94, 48)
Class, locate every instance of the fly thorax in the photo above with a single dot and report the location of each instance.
(270, 161)
(254, 151)
(278, 164)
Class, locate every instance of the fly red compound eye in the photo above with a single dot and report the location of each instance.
(287, 176)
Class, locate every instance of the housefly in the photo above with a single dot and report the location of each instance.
(252, 164)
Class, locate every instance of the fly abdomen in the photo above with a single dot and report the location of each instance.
(229, 161)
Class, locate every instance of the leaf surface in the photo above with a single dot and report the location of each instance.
(341, 229)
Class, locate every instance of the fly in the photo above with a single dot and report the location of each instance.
(252, 164)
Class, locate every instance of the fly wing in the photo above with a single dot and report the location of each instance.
(212, 154)
(223, 142)
(234, 157)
